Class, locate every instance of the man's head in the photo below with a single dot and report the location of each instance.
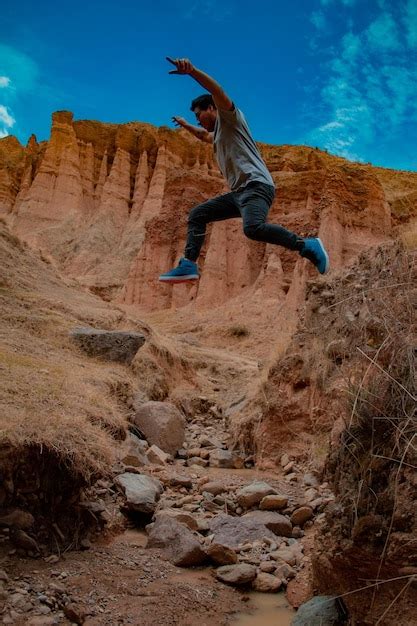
(205, 111)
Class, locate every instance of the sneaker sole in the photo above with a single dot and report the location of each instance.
(323, 249)
(183, 279)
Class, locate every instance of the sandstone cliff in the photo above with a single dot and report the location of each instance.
(109, 204)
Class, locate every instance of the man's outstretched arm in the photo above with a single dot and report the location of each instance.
(221, 99)
(197, 131)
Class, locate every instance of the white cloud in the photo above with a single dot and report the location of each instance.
(6, 121)
(20, 75)
(382, 34)
(370, 88)
(318, 20)
(20, 67)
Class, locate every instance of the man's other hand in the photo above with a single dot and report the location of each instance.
(183, 66)
(179, 121)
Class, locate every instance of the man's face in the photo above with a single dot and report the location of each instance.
(206, 119)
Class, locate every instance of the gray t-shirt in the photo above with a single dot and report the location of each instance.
(237, 155)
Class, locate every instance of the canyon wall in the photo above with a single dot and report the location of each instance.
(109, 204)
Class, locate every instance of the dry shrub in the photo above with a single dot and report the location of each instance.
(161, 368)
(238, 331)
(379, 442)
(370, 531)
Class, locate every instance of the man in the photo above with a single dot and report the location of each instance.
(252, 187)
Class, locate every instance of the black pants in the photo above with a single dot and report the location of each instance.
(252, 203)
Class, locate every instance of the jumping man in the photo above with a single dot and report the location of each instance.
(222, 124)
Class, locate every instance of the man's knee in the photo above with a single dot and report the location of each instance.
(198, 214)
(253, 231)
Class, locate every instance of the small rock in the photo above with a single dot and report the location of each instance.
(74, 613)
(291, 477)
(180, 481)
(268, 567)
(266, 583)
(53, 558)
(132, 451)
(289, 467)
(222, 458)
(221, 555)
(215, 488)
(241, 574)
(285, 555)
(197, 460)
(207, 442)
(252, 494)
(310, 480)
(193, 452)
(301, 515)
(285, 459)
(311, 494)
(273, 503)
(156, 455)
(44, 610)
(297, 533)
(285, 572)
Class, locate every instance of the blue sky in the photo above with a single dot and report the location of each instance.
(337, 74)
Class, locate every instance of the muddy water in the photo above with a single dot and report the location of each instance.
(264, 609)
(270, 609)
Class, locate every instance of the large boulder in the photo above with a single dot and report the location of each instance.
(162, 425)
(142, 492)
(178, 543)
(232, 531)
(111, 345)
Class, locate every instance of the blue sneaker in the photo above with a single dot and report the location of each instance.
(185, 271)
(314, 251)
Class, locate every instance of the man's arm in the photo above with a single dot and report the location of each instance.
(200, 133)
(221, 99)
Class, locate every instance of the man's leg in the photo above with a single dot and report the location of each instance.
(255, 201)
(221, 208)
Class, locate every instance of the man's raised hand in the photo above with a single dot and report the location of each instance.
(183, 66)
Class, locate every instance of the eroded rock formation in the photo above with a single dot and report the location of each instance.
(109, 204)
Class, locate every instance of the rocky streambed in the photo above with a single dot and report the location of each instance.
(206, 511)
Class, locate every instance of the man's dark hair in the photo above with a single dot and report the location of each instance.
(203, 102)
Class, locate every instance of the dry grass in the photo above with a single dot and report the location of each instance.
(53, 397)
